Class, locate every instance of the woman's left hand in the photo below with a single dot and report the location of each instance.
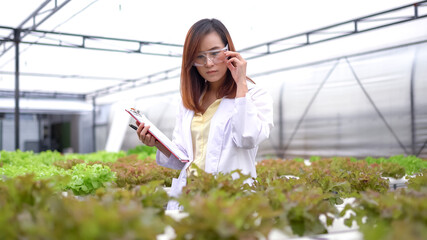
(237, 65)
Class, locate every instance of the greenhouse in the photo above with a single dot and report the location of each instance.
(337, 108)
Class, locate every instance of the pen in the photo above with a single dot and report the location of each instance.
(133, 126)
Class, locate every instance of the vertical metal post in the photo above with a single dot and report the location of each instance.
(415, 10)
(40, 131)
(1, 131)
(281, 126)
(411, 95)
(17, 36)
(94, 123)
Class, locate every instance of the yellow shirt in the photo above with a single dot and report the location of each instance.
(200, 126)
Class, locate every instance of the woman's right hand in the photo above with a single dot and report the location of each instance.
(144, 136)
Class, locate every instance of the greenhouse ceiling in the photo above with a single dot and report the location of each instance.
(157, 30)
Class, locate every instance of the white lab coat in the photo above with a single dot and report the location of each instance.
(237, 128)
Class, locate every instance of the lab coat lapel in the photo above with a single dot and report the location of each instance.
(187, 133)
(216, 134)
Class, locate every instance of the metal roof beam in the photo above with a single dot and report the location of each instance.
(358, 25)
(51, 75)
(70, 40)
(132, 83)
(35, 21)
(91, 42)
(42, 95)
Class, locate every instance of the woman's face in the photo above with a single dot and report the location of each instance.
(214, 68)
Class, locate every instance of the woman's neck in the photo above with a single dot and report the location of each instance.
(215, 86)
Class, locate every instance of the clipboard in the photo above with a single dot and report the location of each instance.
(158, 135)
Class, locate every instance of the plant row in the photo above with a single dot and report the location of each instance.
(88, 172)
(124, 198)
(217, 207)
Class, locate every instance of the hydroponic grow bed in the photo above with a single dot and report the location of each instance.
(122, 196)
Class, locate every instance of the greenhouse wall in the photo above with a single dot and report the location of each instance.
(356, 106)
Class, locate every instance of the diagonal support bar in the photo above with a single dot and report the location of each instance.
(421, 149)
(309, 105)
(376, 108)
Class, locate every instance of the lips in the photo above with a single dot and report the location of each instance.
(210, 72)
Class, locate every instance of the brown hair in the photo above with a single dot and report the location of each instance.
(192, 83)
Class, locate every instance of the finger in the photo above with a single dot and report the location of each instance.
(234, 62)
(147, 138)
(233, 54)
(151, 140)
(145, 130)
(140, 127)
(137, 123)
(231, 66)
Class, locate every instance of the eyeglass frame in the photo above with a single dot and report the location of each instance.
(207, 57)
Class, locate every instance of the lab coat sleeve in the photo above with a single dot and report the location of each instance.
(252, 118)
(172, 161)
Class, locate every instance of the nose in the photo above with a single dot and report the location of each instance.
(209, 62)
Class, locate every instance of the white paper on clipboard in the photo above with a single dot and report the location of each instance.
(159, 135)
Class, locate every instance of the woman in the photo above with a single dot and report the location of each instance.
(223, 117)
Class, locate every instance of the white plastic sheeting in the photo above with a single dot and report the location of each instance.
(360, 106)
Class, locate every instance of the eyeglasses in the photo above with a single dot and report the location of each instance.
(216, 56)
